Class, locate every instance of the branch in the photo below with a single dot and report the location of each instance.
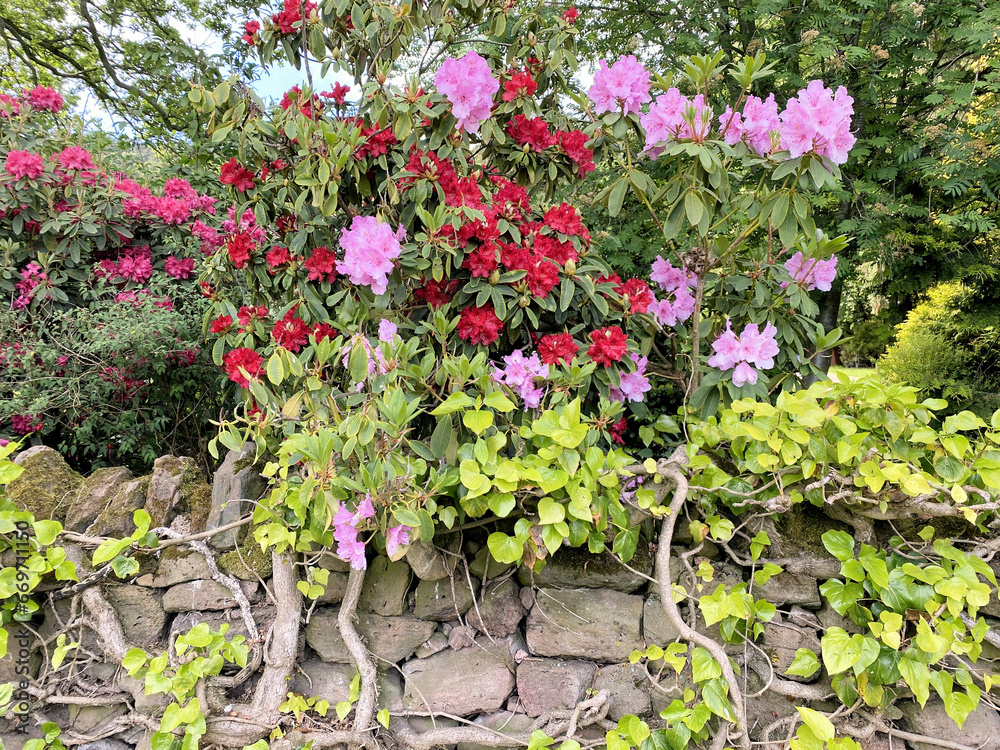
(365, 707)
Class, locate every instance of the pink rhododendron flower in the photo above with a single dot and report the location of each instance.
(520, 373)
(75, 158)
(672, 117)
(179, 268)
(811, 273)
(396, 537)
(31, 277)
(42, 97)
(633, 385)
(622, 87)
(10, 106)
(469, 85)
(752, 349)
(345, 532)
(818, 120)
(386, 330)
(369, 247)
(754, 126)
(24, 164)
(669, 278)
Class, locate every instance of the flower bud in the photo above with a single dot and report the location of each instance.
(523, 302)
(570, 268)
(495, 277)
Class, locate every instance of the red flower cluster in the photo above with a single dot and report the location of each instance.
(240, 247)
(243, 365)
(311, 107)
(378, 140)
(557, 348)
(609, 345)
(436, 293)
(426, 165)
(277, 256)
(250, 29)
(235, 174)
(248, 314)
(291, 332)
(292, 14)
(322, 265)
(338, 93)
(534, 132)
(479, 325)
(221, 324)
(638, 294)
(521, 85)
(570, 14)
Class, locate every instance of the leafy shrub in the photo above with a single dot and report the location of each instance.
(100, 348)
(948, 347)
(868, 341)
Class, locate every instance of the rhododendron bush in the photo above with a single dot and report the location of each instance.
(438, 209)
(100, 341)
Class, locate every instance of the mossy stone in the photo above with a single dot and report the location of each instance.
(47, 487)
(247, 563)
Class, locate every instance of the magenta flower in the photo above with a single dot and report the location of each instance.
(24, 164)
(622, 87)
(520, 373)
(370, 247)
(811, 273)
(75, 158)
(633, 385)
(396, 537)
(753, 349)
(818, 121)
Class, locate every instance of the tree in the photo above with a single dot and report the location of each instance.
(923, 182)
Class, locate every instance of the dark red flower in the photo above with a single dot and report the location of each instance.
(479, 325)
(338, 93)
(277, 256)
(617, 429)
(521, 84)
(235, 174)
(291, 332)
(574, 143)
(221, 324)
(556, 348)
(250, 28)
(240, 246)
(436, 293)
(481, 262)
(639, 296)
(324, 331)
(246, 360)
(322, 265)
(543, 275)
(533, 132)
(248, 314)
(609, 345)
(565, 220)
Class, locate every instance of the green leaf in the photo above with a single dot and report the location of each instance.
(358, 363)
(839, 544)
(498, 401)
(821, 726)
(478, 420)
(804, 664)
(704, 666)
(454, 402)
(840, 652)
(46, 532)
(550, 511)
(441, 437)
(917, 676)
(275, 369)
(505, 549)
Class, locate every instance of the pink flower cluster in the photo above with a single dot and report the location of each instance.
(633, 386)
(31, 277)
(520, 373)
(174, 207)
(622, 87)
(818, 120)
(469, 85)
(135, 264)
(754, 126)
(811, 273)
(42, 97)
(675, 281)
(24, 164)
(25, 424)
(345, 532)
(742, 354)
(370, 247)
(396, 537)
(675, 117)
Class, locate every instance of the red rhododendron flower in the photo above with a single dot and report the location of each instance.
(324, 331)
(250, 28)
(240, 361)
(235, 174)
(322, 265)
(612, 279)
(277, 256)
(207, 290)
(617, 430)
(221, 324)
(179, 268)
(543, 275)
(609, 345)
(574, 143)
(559, 251)
(565, 220)
(377, 140)
(481, 262)
(240, 246)
(291, 332)
(639, 296)
(21, 164)
(25, 424)
(533, 132)
(311, 107)
(248, 314)
(479, 325)
(338, 93)
(521, 84)
(436, 293)
(556, 348)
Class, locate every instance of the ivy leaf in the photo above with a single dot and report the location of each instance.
(550, 511)
(804, 664)
(917, 676)
(704, 666)
(477, 420)
(839, 544)
(714, 693)
(840, 652)
(821, 726)
(505, 549)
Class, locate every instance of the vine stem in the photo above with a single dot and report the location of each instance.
(670, 469)
(364, 710)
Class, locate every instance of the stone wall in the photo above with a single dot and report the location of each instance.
(455, 633)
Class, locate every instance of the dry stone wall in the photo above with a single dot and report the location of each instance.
(456, 634)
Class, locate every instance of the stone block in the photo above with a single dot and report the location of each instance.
(443, 600)
(598, 624)
(140, 612)
(385, 587)
(204, 594)
(390, 638)
(656, 628)
(981, 729)
(94, 496)
(790, 588)
(505, 722)
(473, 680)
(577, 567)
(499, 610)
(550, 684)
(626, 686)
(237, 482)
(318, 679)
(47, 487)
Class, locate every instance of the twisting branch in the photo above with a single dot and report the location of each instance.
(671, 470)
(364, 710)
